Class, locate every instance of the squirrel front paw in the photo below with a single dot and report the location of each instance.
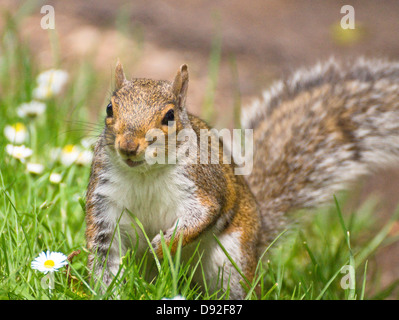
(157, 242)
(157, 246)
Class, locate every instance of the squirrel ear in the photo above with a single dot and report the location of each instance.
(120, 78)
(180, 85)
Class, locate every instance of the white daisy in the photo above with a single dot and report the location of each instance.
(35, 168)
(69, 154)
(31, 109)
(88, 143)
(85, 158)
(49, 261)
(42, 92)
(55, 178)
(18, 152)
(16, 133)
(50, 83)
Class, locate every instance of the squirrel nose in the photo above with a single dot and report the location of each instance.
(128, 148)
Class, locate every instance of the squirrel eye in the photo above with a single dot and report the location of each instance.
(169, 116)
(109, 110)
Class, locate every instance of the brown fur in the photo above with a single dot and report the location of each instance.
(318, 133)
(230, 208)
(313, 133)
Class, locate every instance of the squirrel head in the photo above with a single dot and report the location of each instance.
(140, 105)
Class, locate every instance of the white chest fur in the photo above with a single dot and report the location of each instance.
(158, 198)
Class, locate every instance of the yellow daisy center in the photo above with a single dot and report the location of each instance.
(49, 264)
(69, 148)
(19, 127)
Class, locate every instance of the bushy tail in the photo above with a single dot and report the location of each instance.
(319, 131)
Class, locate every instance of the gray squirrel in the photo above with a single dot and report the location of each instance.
(313, 133)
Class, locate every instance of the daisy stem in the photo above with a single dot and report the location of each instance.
(33, 136)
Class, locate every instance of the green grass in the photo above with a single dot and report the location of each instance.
(36, 215)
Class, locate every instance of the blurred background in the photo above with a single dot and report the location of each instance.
(253, 42)
(235, 49)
